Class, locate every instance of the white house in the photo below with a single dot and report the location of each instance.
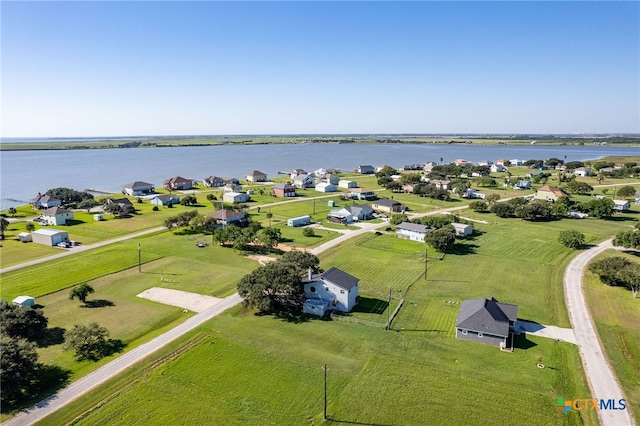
(347, 184)
(462, 229)
(49, 237)
(235, 197)
(256, 176)
(303, 181)
(56, 216)
(516, 162)
(44, 201)
(621, 205)
(165, 200)
(498, 168)
(213, 182)
(334, 289)
(412, 231)
(326, 187)
(138, 188)
(582, 171)
(25, 301)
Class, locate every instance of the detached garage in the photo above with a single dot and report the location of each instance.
(25, 301)
(49, 237)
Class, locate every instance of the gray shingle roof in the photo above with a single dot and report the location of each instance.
(415, 227)
(339, 278)
(486, 316)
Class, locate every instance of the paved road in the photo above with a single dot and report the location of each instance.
(78, 249)
(601, 377)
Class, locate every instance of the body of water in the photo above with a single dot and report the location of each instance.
(25, 173)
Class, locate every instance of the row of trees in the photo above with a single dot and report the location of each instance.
(252, 235)
(618, 271)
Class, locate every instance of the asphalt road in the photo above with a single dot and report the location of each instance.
(602, 380)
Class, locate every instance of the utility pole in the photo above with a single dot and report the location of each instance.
(426, 258)
(139, 259)
(324, 367)
(314, 205)
(389, 311)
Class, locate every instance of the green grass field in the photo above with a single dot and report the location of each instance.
(617, 315)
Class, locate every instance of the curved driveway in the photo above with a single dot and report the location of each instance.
(601, 377)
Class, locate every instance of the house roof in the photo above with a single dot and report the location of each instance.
(387, 202)
(226, 214)
(55, 211)
(415, 227)
(486, 316)
(176, 179)
(556, 191)
(256, 173)
(284, 186)
(137, 184)
(43, 199)
(620, 202)
(49, 232)
(338, 277)
(165, 197)
(301, 176)
(357, 208)
(360, 190)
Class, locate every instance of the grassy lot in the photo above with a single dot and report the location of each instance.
(261, 370)
(617, 315)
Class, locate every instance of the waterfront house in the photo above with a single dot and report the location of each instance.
(498, 168)
(284, 190)
(412, 231)
(441, 184)
(303, 181)
(487, 321)
(44, 202)
(461, 162)
(213, 182)
(332, 290)
(429, 165)
(582, 171)
(165, 200)
(256, 176)
(365, 169)
(178, 183)
(138, 188)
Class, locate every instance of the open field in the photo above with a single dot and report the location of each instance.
(616, 315)
(259, 370)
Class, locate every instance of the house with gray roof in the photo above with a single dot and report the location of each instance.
(332, 290)
(487, 321)
(138, 188)
(412, 231)
(388, 206)
(44, 202)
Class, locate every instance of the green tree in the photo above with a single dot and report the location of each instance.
(628, 239)
(572, 239)
(503, 210)
(87, 204)
(189, 200)
(397, 219)
(22, 322)
(492, 199)
(579, 187)
(4, 224)
(271, 288)
(81, 292)
(441, 239)
(618, 271)
(479, 206)
(626, 191)
(89, 342)
(308, 232)
(18, 367)
(598, 208)
(302, 261)
(269, 237)
(487, 181)
(12, 211)
(30, 227)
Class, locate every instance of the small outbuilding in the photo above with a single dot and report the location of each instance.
(24, 237)
(299, 221)
(326, 187)
(462, 229)
(49, 237)
(235, 197)
(26, 301)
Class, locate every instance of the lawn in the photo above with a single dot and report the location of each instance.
(262, 370)
(617, 315)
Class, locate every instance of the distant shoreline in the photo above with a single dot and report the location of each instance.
(40, 144)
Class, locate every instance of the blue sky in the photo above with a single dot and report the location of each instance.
(180, 68)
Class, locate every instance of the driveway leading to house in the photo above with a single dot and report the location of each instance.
(602, 379)
(548, 331)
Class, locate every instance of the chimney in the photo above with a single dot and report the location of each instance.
(310, 273)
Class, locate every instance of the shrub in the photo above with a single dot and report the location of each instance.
(572, 239)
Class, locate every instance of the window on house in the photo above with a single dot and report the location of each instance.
(312, 289)
(341, 291)
(480, 334)
(464, 332)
